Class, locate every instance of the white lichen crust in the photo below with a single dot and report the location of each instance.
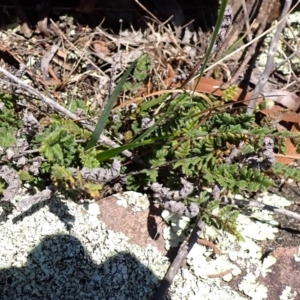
(285, 59)
(55, 251)
(254, 225)
(60, 250)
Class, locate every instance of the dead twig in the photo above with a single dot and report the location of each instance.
(254, 203)
(247, 20)
(219, 274)
(103, 139)
(270, 62)
(249, 43)
(183, 251)
(210, 245)
(252, 48)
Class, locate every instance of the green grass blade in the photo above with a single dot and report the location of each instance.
(214, 38)
(107, 154)
(154, 102)
(104, 117)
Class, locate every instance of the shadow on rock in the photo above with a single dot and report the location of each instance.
(60, 268)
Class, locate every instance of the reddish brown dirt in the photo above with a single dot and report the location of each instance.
(285, 272)
(142, 228)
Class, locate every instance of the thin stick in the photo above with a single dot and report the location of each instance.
(103, 139)
(254, 203)
(247, 21)
(270, 62)
(183, 251)
(246, 45)
(151, 14)
(251, 51)
(243, 65)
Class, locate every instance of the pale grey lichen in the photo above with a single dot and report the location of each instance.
(174, 233)
(137, 201)
(297, 256)
(43, 249)
(287, 65)
(44, 258)
(275, 200)
(38, 251)
(254, 226)
(92, 208)
(287, 294)
(251, 288)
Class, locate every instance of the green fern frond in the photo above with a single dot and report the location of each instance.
(286, 172)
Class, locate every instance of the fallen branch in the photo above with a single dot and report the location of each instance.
(254, 203)
(183, 251)
(220, 274)
(21, 84)
(270, 62)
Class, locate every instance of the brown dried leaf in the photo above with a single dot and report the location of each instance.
(213, 86)
(47, 58)
(285, 98)
(277, 111)
(291, 151)
(100, 47)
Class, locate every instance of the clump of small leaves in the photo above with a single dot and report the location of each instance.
(174, 136)
(192, 137)
(140, 74)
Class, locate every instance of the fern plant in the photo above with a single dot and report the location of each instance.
(10, 123)
(192, 137)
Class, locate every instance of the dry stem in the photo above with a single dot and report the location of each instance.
(103, 139)
(183, 251)
(254, 203)
(270, 62)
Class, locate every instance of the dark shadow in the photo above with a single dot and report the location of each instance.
(201, 13)
(290, 230)
(59, 268)
(151, 222)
